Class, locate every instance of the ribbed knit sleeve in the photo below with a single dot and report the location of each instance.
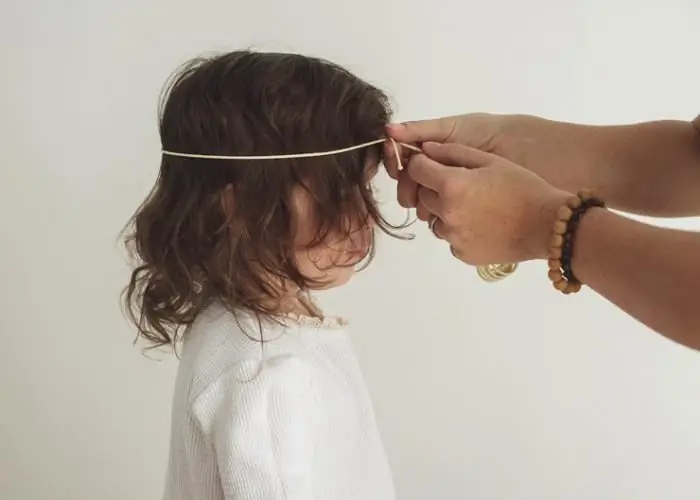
(264, 430)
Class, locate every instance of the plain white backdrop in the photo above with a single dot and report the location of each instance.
(496, 392)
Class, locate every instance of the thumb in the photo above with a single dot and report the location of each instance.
(438, 130)
(457, 155)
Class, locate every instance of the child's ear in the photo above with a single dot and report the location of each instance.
(228, 201)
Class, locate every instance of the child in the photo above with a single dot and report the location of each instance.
(269, 401)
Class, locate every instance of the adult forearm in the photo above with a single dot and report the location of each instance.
(649, 168)
(653, 168)
(649, 272)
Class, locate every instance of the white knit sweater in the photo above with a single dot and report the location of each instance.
(298, 425)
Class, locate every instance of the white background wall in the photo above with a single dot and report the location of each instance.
(505, 392)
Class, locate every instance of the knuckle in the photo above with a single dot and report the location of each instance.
(453, 189)
(449, 216)
(458, 252)
(449, 188)
(418, 159)
(422, 213)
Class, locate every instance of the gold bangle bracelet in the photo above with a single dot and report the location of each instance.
(491, 273)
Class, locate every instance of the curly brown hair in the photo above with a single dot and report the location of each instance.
(190, 249)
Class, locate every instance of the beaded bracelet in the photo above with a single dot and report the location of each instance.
(562, 243)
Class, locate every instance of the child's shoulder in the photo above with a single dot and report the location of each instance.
(220, 343)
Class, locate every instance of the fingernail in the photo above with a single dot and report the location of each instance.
(395, 126)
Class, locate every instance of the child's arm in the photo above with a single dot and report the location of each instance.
(264, 430)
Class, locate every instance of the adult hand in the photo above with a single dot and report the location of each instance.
(480, 131)
(493, 210)
(646, 168)
(488, 208)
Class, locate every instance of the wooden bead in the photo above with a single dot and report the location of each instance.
(555, 253)
(585, 194)
(574, 202)
(566, 287)
(567, 218)
(560, 285)
(557, 241)
(564, 213)
(555, 275)
(559, 227)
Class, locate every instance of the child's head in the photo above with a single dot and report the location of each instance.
(255, 233)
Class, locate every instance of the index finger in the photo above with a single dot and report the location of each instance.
(438, 129)
(391, 161)
(457, 155)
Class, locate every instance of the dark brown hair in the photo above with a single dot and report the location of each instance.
(190, 249)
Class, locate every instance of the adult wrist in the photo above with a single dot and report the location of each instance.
(519, 139)
(567, 155)
(548, 215)
(563, 242)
